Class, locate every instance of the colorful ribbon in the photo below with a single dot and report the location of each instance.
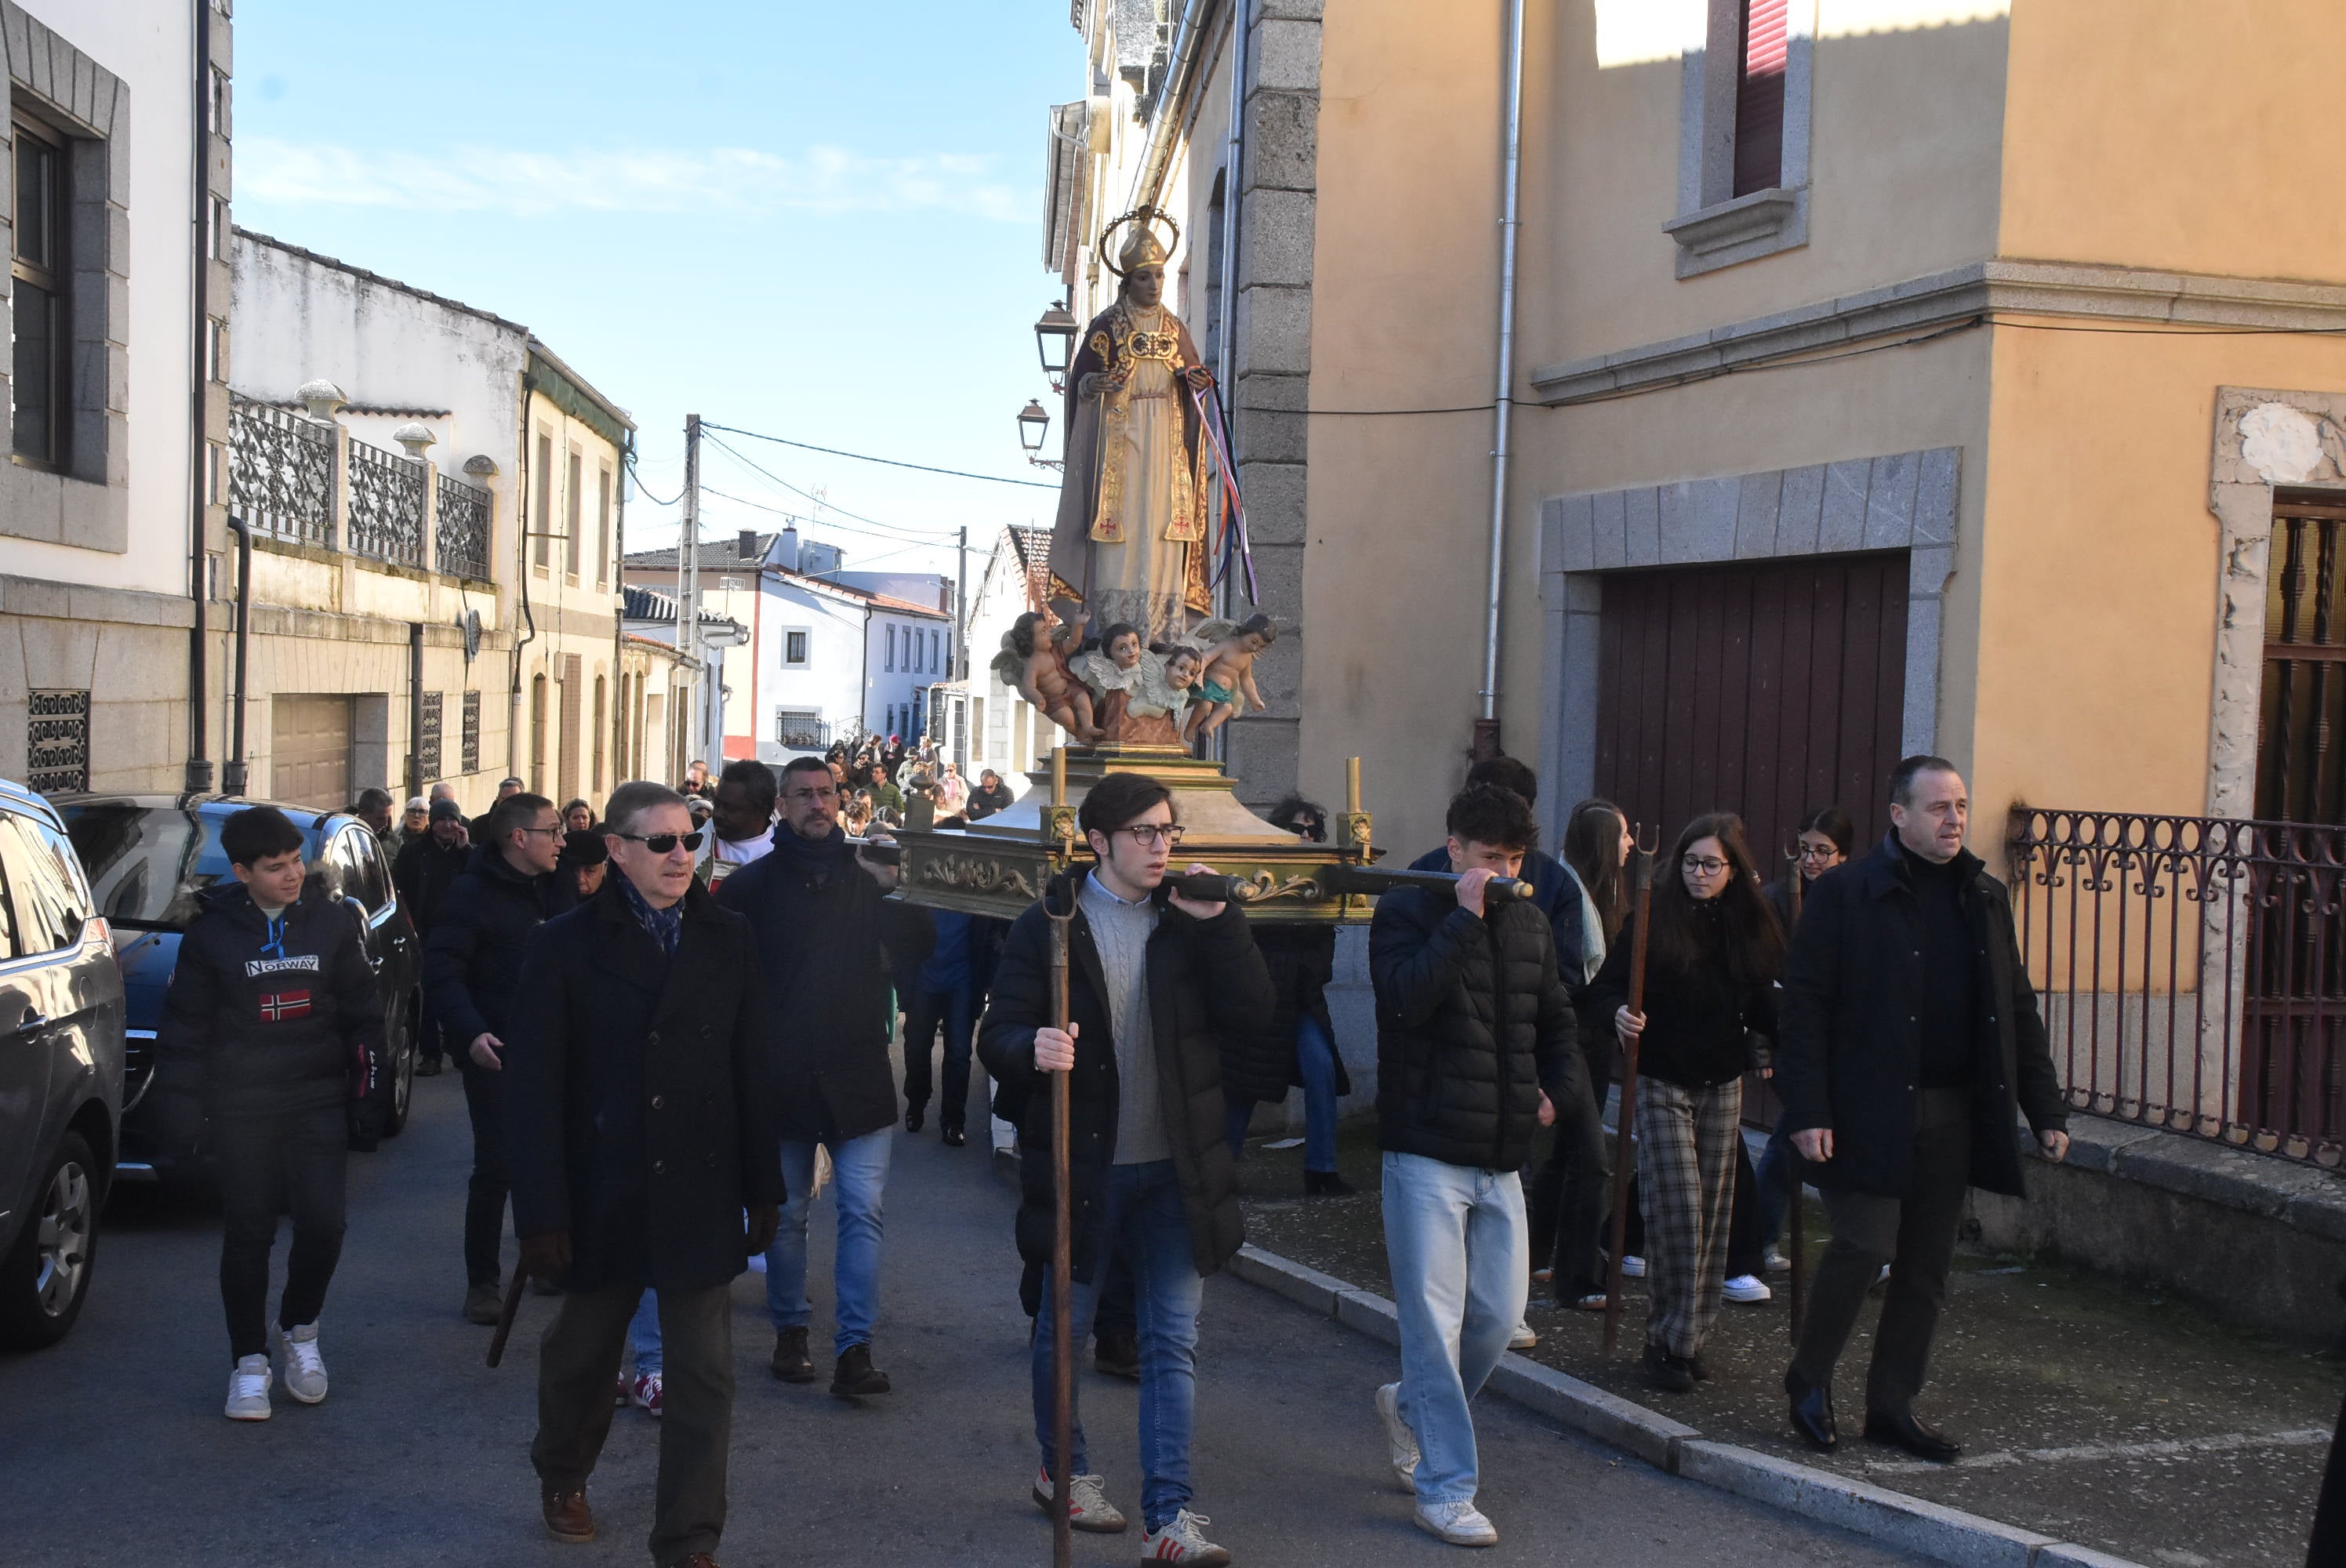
(1235, 547)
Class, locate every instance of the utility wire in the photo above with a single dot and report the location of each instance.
(637, 475)
(867, 457)
(895, 528)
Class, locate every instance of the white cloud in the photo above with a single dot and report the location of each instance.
(736, 179)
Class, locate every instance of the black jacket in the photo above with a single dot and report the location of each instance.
(257, 1022)
(983, 803)
(1698, 1021)
(1302, 960)
(636, 1113)
(1209, 1002)
(423, 872)
(472, 960)
(1848, 1049)
(1473, 1023)
(823, 935)
(1556, 891)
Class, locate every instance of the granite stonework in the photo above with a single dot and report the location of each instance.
(127, 649)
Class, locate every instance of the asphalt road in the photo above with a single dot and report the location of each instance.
(112, 1450)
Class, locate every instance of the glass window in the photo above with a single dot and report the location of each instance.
(357, 873)
(891, 648)
(39, 270)
(794, 647)
(9, 947)
(48, 906)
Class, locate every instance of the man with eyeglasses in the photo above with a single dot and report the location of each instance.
(822, 922)
(472, 962)
(1170, 1009)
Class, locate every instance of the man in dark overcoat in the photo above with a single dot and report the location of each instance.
(638, 1133)
(1911, 1044)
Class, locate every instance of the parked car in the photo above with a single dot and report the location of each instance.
(150, 857)
(61, 1070)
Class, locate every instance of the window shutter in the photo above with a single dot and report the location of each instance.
(1760, 96)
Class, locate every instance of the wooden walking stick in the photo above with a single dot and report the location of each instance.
(1641, 888)
(1797, 1238)
(1063, 1239)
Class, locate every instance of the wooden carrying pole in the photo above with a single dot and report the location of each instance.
(505, 1317)
(1641, 893)
(1063, 1230)
(1798, 1240)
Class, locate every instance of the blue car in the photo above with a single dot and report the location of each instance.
(149, 856)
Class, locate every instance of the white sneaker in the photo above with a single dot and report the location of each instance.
(1747, 1288)
(1087, 1505)
(1459, 1523)
(1181, 1541)
(248, 1391)
(1401, 1443)
(305, 1368)
(1775, 1262)
(1523, 1338)
(1632, 1267)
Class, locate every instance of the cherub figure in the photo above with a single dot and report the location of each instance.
(1226, 684)
(1033, 660)
(1161, 696)
(1112, 671)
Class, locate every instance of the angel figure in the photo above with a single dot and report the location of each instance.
(1034, 661)
(1161, 700)
(1226, 684)
(1110, 672)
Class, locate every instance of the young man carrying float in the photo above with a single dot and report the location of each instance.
(1167, 1003)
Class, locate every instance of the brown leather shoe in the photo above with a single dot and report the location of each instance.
(567, 1517)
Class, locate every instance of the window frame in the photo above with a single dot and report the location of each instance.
(1713, 227)
(52, 274)
(804, 657)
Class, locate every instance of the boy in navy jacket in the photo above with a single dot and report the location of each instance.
(273, 1021)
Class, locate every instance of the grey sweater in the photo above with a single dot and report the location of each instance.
(1120, 931)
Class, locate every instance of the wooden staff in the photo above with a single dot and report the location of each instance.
(1062, 1248)
(506, 1318)
(1797, 1238)
(1641, 888)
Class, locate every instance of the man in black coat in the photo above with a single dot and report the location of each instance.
(1169, 1008)
(638, 1134)
(1475, 1048)
(429, 862)
(823, 925)
(472, 963)
(1910, 1039)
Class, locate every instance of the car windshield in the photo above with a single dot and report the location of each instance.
(147, 864)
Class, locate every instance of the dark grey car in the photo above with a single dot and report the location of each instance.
(61, 1021)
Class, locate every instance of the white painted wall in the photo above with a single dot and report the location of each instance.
(897, 680)
(828, 683)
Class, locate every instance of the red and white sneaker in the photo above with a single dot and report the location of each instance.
(644, 1395)
(1181, 1541)
(1087, 1505)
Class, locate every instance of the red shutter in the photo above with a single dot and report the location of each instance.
(1760, 97)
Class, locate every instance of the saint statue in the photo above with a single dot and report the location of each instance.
(1130, 545)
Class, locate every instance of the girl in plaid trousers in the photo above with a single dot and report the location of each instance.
(1714, 958)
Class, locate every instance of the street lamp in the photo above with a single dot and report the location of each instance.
(1031, 425)
(1055, 340)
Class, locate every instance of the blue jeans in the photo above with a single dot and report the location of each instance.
(858, 1179)
(1315, 1061)
(1140, 1211)
(644, 1336)
(1460, 1253)
(1774, 1187)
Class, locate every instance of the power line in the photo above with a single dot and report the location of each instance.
(822, 523)
(896, 528)
(637, 475)
(889, 462)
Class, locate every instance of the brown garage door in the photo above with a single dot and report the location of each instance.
(1762, 689)
(310, 750)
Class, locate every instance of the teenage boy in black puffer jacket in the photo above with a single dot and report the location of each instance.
(271, 1022)
(1475, 1049)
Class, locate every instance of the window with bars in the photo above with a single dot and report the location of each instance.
(2301, 761)
(472, 755)
(427, 739)
(57, 741)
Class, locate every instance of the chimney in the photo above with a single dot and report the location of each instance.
(748, 547)
(788, 559)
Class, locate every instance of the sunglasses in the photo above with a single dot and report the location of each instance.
(664, 843)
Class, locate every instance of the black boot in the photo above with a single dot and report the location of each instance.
(1812, 1413)
(856, 1376)
(790, 1362)
(1115, 1350)
(912, 1118)
(1325, 1184)
(1667, 1372)
(1904, 1432)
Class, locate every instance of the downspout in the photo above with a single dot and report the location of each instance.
(1486, 721)
(613, 716)
(198, 772)
(232, 776)
(1226, 351)
(415, 779)
(1167, 104)
(521, 585)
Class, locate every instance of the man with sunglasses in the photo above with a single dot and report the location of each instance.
(822, 920)
(1169, 1010)
(472, 962)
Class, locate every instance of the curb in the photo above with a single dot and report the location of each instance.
(1893, 1518)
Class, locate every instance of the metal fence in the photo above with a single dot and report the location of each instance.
(462, 529)
(281, 472)
(802, 731)
(386, 505)
(2191, 971)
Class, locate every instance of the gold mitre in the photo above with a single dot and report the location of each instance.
(1141, 248)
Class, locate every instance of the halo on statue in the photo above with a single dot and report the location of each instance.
(1147, 217)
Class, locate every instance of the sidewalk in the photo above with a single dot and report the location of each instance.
(2089, 1412)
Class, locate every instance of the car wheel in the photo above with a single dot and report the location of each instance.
(403, 1071)
(45, 1276)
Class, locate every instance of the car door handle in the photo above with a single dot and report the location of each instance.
(29, 1023)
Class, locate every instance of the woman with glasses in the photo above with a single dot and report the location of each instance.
(1715, 953)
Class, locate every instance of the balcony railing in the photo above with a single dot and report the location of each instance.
(801, 732)
(2191, 971)
(386, 505)
(462, 529)
(281, 472)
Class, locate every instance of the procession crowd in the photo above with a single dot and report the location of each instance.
(674, 1017)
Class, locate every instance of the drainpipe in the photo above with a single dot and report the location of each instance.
(1486, 721)
(1165, 108)
(199, 773)
(232, 779)
(1226, 351)
(522, 521)
(415, 779)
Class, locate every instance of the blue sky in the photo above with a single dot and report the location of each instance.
(819, 221)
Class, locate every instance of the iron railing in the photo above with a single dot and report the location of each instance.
(386, 505)
(2191, 971)
(802, 731)
(462, 529)
(281, 471)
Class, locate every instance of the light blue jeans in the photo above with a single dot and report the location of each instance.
(644, 1336)
(859, 1180)
(1460, 1252)
(1140, 1208)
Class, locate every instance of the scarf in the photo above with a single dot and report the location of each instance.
(665, 927)
(813, 859)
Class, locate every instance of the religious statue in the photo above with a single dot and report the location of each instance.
(1130, 545)
(1033, 663)
(1139, 693)
(1226, 686)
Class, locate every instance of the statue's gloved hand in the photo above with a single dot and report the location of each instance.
(1091, 384)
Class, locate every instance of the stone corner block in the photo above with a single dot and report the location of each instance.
(1585, 1408)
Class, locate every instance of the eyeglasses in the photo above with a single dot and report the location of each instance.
(1152, 834)
(827, 794)
(553, 833)
(1819, 851)
(665, 843)
(1704, 864)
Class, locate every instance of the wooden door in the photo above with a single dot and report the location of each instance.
(1764, 688)
(310, 750)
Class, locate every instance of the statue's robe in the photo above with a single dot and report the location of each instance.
(1129, 543)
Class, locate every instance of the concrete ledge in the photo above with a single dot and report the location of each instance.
(2064, 1555)
(1949, 1535)
(1586, 1408)
(1305, 1286)
(1371, 1315)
